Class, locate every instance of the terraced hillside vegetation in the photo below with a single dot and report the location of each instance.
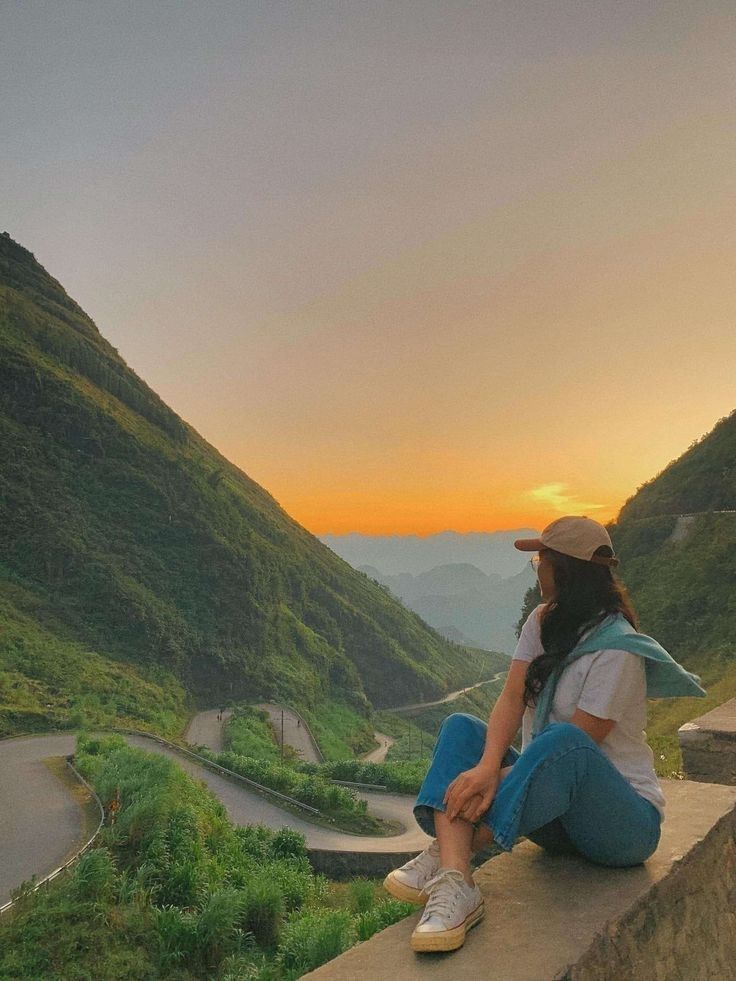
(140, 568)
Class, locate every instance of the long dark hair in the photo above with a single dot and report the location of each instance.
(585, 593)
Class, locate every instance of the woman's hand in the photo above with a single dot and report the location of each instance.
(471, 793)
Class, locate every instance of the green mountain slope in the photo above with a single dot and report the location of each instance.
(682, 571)
(124, 533)
(702, 479)
(682, 574)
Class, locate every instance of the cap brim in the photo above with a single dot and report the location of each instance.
(528, 544)
(604, 560)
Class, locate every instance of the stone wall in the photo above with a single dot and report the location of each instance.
(560, 917)
(684, 928)
(708, 745)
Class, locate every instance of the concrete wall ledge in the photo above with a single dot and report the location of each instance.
(708, 745)
(561, 917)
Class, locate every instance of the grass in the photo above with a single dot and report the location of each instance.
(249, 733)
(341, 732)
(339, 807)
(174, 890)
(90, 812)
(415, 732)
(49, 680)
(665, 716)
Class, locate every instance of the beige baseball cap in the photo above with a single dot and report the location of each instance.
(572, 535)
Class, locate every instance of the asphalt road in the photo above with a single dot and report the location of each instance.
(295, 734)
(448, 698)
(41, 824)
(205, 729)
(378, 755)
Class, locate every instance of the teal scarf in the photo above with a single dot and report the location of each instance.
(665, 677)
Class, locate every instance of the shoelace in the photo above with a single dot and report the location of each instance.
(443, 893)
(426, 860)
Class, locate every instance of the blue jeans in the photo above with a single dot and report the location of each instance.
(563, 793)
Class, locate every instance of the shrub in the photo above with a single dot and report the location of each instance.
(217, 924)
(309, 787)
(94, 875)
(288, 843)
(403, 777)
(313, 938)
(295, 880)
(263, 906)
(362, 893)
(176, 933)
(182, 885)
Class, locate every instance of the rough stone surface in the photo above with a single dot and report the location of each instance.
(708, 745)
(560, 917)
(721, 719)
(344, 866)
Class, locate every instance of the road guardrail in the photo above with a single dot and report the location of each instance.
(78, 854)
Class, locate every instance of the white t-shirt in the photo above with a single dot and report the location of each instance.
(609, 684)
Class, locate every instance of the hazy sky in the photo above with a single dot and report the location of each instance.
(411, 265)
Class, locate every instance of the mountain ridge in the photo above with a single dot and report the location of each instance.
(121, 523)
(490, 551)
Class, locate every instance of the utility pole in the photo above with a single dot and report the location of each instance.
(282, 734)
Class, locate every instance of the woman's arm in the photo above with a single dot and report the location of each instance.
(596, 728)
(503, 724)
(505, 718)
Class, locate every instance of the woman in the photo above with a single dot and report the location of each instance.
(584, 782)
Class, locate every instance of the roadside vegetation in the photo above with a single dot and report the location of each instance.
(415, 732)
(248, 732)
(248, 729)
(338, 806)
(174, 890)
(341, 732)
(401, 778)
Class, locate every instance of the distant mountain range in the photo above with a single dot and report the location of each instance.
(468, 586)
(463, 603)
(492, 552)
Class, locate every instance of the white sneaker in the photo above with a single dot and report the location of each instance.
(408, 882)
(452, 909)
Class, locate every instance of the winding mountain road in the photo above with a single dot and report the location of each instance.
(378, 755)
(295, 733)
(206, 729)
(41, 824)
(416, 706)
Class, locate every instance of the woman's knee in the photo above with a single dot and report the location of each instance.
(462, 724)
(461, 730)
(564, 733)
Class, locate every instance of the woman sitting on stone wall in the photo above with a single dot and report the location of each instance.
(584, 782)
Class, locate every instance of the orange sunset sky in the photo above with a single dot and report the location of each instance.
(412, 266)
